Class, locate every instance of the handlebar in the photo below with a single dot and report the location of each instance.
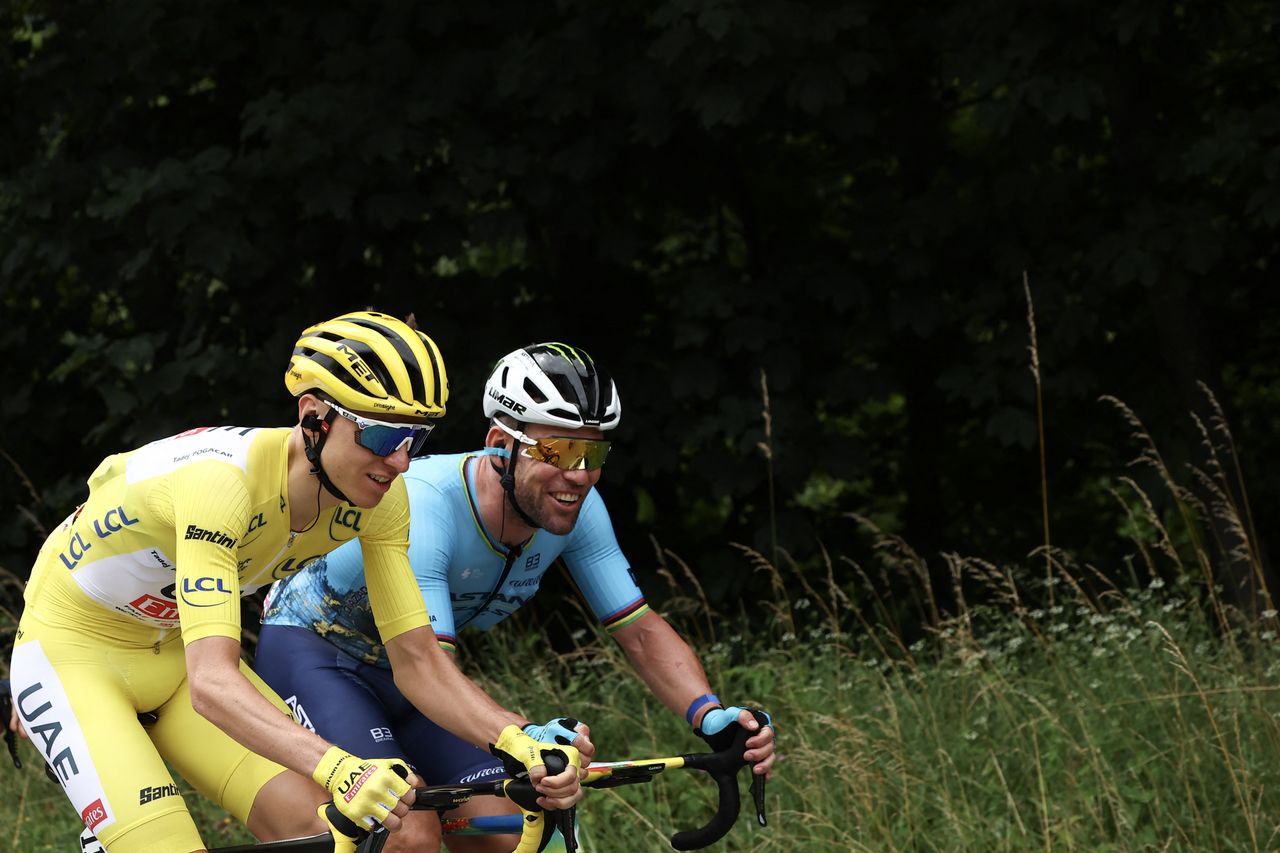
(722, 766)
(538, 824)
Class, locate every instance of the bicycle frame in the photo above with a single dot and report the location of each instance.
(722, 766)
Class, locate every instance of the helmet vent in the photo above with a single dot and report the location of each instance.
(554, 384)
(534, 392)
(566, 414)
(368, 361)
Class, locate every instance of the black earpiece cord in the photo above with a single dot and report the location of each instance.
(311, 422)
(508, 473)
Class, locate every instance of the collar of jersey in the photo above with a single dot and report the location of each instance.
(469, 485)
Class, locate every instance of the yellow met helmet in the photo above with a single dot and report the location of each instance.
(370, 362)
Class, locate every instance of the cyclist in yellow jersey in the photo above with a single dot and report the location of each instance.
(133, 606)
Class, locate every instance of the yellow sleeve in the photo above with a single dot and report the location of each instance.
(394, 596)
(210, 512)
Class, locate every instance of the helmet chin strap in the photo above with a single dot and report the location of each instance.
(311, 422)
(508, 480)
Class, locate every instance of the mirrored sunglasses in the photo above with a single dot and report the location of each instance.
(386, 438)
(565, 453)
(569, 454)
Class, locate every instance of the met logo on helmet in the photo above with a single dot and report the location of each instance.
(507, 402)
(357, 363)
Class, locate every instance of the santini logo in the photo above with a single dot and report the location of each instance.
(217, 537)
(147, 795)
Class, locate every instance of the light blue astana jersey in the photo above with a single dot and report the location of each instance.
(467, 577)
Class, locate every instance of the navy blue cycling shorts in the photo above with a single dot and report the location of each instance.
(356, 706)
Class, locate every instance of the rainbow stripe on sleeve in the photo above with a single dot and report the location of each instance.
(624, 616)
(448, 642)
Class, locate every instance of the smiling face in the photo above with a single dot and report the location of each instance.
(360, 474)
(552, 497)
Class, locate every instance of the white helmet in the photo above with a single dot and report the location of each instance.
(553, 384)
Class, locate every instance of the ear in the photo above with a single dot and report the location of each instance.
(496, 437)
(309, 411)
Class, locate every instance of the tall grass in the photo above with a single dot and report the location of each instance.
(1050, 709)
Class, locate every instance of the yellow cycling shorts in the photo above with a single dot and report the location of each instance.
(79, 694)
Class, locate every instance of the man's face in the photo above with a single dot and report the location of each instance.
(360, 474)
(549, 495)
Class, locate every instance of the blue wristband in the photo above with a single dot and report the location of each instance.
(697, 704)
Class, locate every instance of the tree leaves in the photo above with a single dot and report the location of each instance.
(842, 198)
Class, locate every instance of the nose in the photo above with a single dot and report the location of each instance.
(581, 476)
(398, 459)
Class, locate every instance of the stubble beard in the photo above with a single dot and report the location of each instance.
(531, 500)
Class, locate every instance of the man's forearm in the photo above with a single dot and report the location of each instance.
(429, 678)
(665, 662)
(223, 695)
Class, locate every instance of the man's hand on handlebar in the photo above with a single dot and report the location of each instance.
(396, 816)
(565, 731)
(365, 792)
(561, 790)
(716, 729)
(522, 754)
(347, 833)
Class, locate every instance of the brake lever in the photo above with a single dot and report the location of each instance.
(565, 820)
(757, 782)
(757, 795)
(723, 767)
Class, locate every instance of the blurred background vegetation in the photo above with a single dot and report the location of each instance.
(841, 208)
(809, 241)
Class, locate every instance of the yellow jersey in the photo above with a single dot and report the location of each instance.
(175, 532)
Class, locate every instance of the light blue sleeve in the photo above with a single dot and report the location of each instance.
(599, 568)
(431, 546)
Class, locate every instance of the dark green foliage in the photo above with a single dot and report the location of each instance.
(841, 198)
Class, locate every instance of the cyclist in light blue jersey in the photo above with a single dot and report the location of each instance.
(484, 528)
